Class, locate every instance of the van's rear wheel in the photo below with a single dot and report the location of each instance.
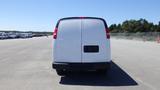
(61, 72)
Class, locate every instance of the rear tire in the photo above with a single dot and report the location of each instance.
(61, 72)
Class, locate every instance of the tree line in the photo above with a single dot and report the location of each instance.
(133, 26)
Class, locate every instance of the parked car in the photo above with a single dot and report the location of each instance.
(25, 35)
(3, 35)
(12, 35)
(81, 43)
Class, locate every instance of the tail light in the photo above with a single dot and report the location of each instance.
(55, 33)
(107, 33)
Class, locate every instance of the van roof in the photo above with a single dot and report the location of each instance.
(66, 18)
(82, 18)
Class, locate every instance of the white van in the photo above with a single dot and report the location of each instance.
(81, 43)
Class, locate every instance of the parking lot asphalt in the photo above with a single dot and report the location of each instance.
(25, 64)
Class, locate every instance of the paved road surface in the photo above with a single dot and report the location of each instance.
(25, 64)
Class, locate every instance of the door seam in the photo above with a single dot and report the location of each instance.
(81, 42)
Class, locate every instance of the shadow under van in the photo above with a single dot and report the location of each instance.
(115, 77)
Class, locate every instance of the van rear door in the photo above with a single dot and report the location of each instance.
(95, 46)
(68, 42)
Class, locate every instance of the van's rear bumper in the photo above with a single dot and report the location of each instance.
(81, 66)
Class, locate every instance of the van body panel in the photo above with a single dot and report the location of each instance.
(68, 43)
(81, 43)
(93, 34)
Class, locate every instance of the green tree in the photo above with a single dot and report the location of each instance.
(141, 25)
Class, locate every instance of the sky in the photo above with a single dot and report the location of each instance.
(42, 15)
